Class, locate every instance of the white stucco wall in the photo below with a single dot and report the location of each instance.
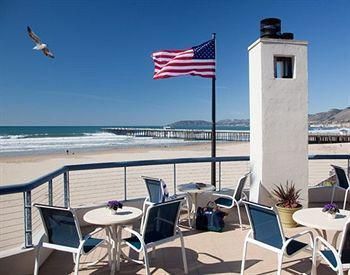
(278, 118)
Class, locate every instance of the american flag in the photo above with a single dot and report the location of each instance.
(198, 60)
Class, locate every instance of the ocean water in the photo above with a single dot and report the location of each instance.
(23, 140)
(16, 140)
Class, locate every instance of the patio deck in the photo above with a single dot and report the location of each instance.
(207, 253)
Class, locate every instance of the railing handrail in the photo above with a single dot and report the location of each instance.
(23, 187)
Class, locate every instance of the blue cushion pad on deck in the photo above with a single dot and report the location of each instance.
(330, 257)
(294, 246)
(90, 244)
(224, 201)
(134, 241)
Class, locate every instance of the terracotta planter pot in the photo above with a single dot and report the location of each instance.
(286, 216)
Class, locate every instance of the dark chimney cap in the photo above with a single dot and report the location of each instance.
(270, 28)
(287, 35)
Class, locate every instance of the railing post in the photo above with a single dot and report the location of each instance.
(219, 175)
(27, 207)
(175, 178)
(50, 194)
(125, 193)
(66, 189)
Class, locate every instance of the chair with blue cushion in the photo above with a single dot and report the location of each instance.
(228, 202)
(338, 260)
(157, 193)
(63, 233)
(160, 226)
(266, 231)
(343, 182)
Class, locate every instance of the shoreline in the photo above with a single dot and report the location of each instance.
(21, 169)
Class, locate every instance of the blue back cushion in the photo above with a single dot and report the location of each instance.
(240, 187)
(345, 249)
(343, 181)
(162, 220)
(60, 225)
(265, 226)
(154, 190)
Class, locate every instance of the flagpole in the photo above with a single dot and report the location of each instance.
(213, 117)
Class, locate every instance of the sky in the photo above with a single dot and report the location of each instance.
(102, 73)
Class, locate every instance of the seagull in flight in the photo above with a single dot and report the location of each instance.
(39, 46)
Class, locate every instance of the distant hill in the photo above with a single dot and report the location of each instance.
(189, 123)
(334, 117)
(204, 123)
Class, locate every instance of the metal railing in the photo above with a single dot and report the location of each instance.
(80, 184)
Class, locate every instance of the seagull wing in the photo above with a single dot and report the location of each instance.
(48, 53)
(33, 36)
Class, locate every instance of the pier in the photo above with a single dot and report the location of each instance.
(185, 134)
(221, 135)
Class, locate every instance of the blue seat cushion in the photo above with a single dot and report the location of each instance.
(91, 243)
(149, 237)
(295, 246)
(134, 242)
(224, 202)
(328, 254)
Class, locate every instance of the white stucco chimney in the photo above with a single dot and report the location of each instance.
(278, 91)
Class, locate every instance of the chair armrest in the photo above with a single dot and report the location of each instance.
(132, 232)
(137, 235)
(222, 196)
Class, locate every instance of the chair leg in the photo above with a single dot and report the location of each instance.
(345, 199)
(244, 256)
(145, 258)
(77, 261)
(37, 259)
(279, 267)
(109, 247)
(183, 251)
(239, 215)
(314, 260)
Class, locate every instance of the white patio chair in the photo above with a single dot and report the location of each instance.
(343, 182)
(266, 231)
(228, 202)
(338, 260)
(156, 194)
(160, 226)
(63, 233)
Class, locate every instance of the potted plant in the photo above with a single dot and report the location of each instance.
(331, 209)
(114, 206)
(287, 203)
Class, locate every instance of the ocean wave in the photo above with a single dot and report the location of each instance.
(83, 142)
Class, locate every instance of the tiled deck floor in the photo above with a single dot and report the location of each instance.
(207, 253)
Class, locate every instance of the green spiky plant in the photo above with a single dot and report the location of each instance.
(287, 196)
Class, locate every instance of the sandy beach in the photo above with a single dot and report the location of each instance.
(20, 169)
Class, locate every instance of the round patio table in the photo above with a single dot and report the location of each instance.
(112, 222)
(194, 188)
(318, 220)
